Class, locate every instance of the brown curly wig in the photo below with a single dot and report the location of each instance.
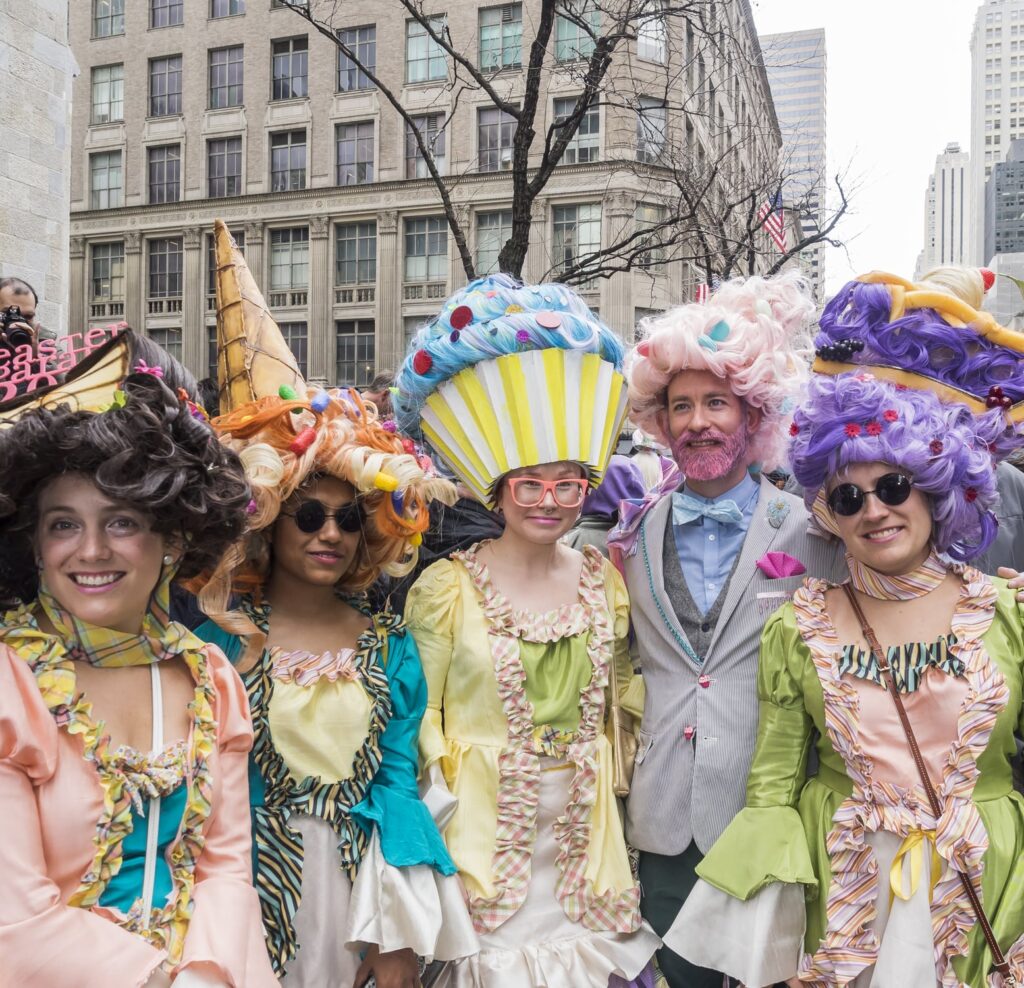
(150, 452)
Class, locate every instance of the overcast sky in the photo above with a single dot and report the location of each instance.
(899, 90)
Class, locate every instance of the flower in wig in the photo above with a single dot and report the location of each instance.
(942, 447)
(751, 333)
(285, 442)
(493, 317)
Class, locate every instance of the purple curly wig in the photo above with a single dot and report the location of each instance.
(920, 341)
(947, 451)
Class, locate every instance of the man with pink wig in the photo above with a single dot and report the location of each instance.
(707, 558)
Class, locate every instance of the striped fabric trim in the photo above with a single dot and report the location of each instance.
(519, 761)
(908, 662)
(279, 851)
(849, 945)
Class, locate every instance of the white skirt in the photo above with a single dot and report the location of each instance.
(760, 941)
(539, 946)
(396, 908)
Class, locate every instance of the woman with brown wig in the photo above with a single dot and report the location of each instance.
(124, 838)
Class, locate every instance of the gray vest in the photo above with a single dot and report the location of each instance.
(699, 628)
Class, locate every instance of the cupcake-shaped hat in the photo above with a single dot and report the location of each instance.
(510, 375)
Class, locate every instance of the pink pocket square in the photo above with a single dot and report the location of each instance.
(776, 565)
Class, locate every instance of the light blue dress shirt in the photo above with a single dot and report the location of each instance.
(707, 548)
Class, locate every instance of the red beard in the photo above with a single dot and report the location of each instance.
(711, 462)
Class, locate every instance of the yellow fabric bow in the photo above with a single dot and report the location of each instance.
(913, 846)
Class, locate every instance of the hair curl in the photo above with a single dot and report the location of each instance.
(347, 441)
(762, 357)
(857, 418)
(150, 452)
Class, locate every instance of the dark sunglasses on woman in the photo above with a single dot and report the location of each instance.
(891, 489)
(310, 516)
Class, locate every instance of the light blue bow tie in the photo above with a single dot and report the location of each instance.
(686, 509)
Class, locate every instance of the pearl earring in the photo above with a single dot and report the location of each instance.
(168, 559)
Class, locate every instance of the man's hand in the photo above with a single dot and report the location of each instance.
(14, 327)
(395, 969)
(1015, 580)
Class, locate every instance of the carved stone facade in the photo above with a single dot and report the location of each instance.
(333, 260)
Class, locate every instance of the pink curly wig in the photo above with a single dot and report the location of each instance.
(752, 333)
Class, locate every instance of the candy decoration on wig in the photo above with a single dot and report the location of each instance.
(511, 375)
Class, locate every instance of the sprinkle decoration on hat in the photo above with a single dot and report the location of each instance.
(303, 441)
(422, 362)
(461, 317)
(549, 320)
(320, 402)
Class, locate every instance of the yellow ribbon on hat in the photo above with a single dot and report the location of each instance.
(912, 849)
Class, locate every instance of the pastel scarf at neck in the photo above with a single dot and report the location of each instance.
(918, 582)
(160, 637)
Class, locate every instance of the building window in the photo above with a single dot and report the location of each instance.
(227, 75)
(224, 167)
(168, 337)
(650, 217)
(290, 67)
(226, 8)
(355, 350)
(107, 18)
(651, 33)
(355, 254)
(424, 57)
(495, 130)
(576, 28)
(164, 173)
(107, 274)
(211, 259)
(431, 129)
(289, 3)
(577, 234)
(165, 264)
(289, 259)
(501, 37)
(355, 153)
(651, 121)
(426, 249)
(165, 86)
(362, 42)
(297, 338)
(106, 184)
(166, 13)
(107, 93)
(585, 144)
(212, 352)
(288, 161)
(492, 231)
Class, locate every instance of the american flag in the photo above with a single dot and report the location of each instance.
(773, 218)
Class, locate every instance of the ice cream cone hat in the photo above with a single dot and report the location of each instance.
(253, 360)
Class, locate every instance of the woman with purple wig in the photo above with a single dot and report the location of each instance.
(900, 861)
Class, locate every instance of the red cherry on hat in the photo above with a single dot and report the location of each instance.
(461, 317)
(422, 362)
(988, 278)
(643, 349)
(409, 446)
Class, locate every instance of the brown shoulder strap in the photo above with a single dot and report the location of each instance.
(999, 961)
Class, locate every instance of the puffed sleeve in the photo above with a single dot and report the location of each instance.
(42, 940)
(431, 614)
(408, 835)
(746, 916)
(406, 893)
(631, 684)
(225, 934)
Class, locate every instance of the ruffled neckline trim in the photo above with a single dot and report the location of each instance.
(849, 945)
(307, 668)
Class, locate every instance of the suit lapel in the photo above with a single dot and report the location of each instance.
(652, 542)
(757, 542)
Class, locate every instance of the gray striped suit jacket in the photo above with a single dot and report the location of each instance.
(689, 790)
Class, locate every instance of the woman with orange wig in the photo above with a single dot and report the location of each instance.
(337, 692)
